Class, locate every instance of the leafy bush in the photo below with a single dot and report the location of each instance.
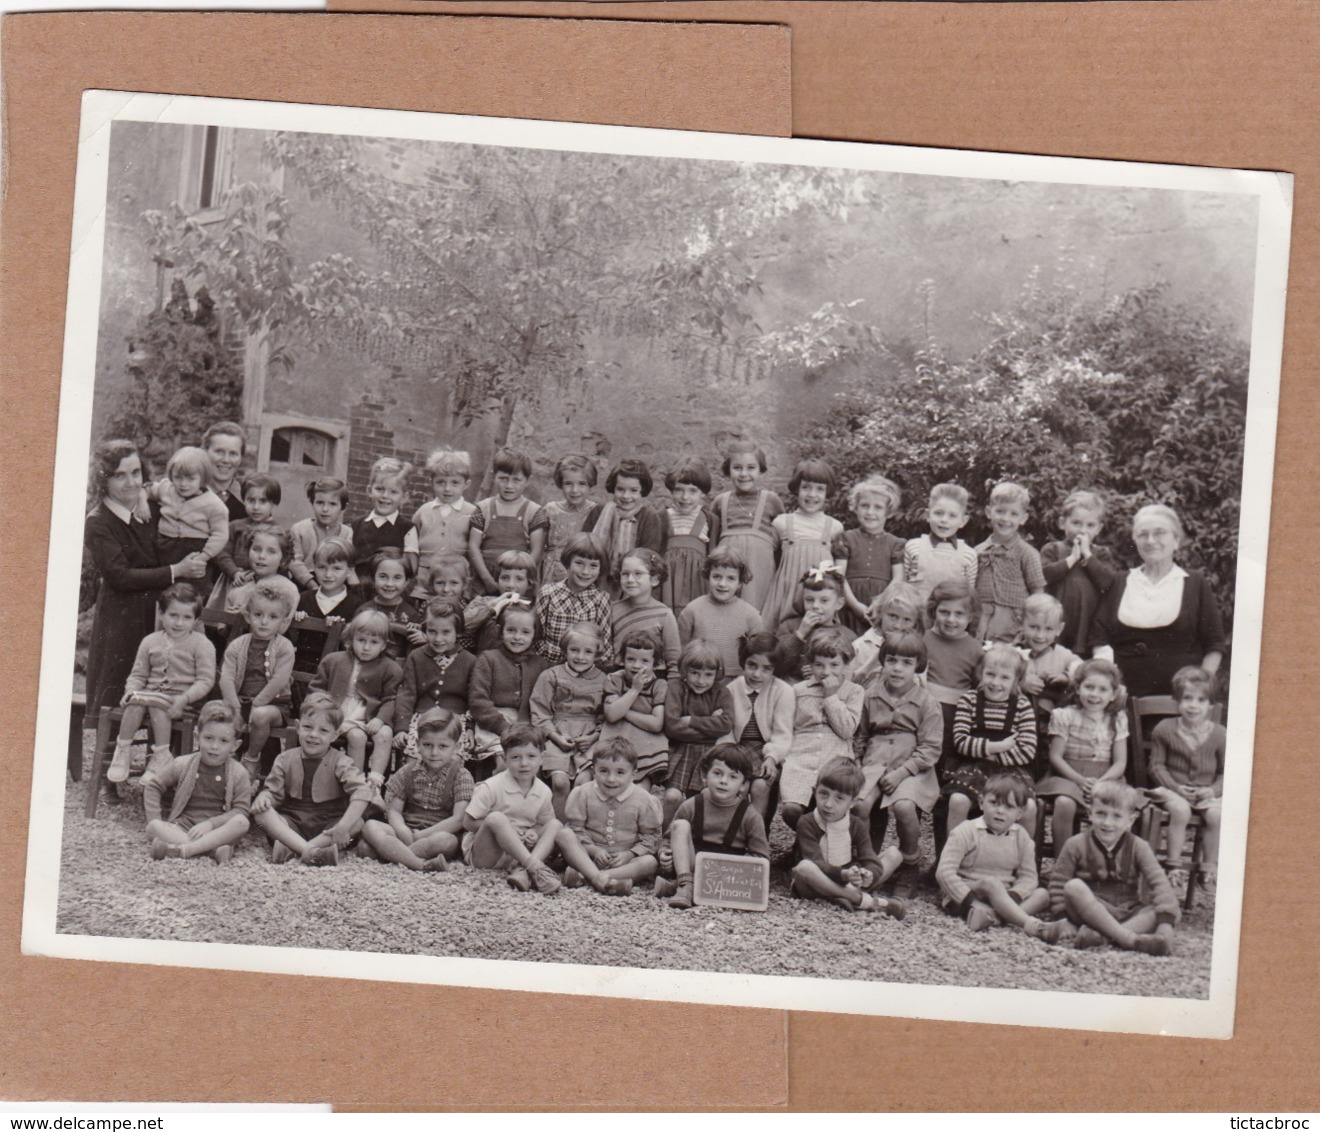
(1138, 398)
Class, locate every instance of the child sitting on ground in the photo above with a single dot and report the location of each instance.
(763, 708)
(425, 800)
(1187, 763)
(212, 794)
(256, 675)
(827, 709)
(900, 737)
(328, 497)
(987, 872)
(1088, 742)
(173, 670)
(567, 704)
(363, 681)
(634, 711)
(437, 675)
(510, 822)
(1008, 570)
(720, 819)
(576, 599)
(1076, 570)
(613, 826)
(838, 861)
(1109, 881)
(312, 803)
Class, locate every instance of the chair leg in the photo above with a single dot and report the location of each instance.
(104, 729)
(1194, 872)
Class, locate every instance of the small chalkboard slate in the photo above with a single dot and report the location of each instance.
(725, 881)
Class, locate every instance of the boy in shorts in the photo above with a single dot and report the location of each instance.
(314, 797)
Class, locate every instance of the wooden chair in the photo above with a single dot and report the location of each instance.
(107, 732)
(221, 628)
(1144, 713)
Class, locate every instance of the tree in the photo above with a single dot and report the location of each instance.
(501, 263)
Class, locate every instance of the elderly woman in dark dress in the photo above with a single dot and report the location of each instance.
(1158, 617)
(123, 548)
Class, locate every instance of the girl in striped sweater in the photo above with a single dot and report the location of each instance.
(994, 729)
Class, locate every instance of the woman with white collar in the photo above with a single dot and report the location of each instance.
(1158, 617)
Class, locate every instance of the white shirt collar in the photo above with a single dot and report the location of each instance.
(117, 509)
(619, 797)
(378, 521)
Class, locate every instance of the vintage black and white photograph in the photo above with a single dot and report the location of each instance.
(649, 564)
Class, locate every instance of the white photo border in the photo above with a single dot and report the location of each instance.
(1211, 1017)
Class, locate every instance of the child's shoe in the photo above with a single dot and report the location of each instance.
(1152, 944)
(573, 878)
(1178, 881)
(120, 764)
(322, 855)
(682, 897)
(616, 886)
(1087, 937)
(253, 767)
(159, 849)
(906, 880)
(436, 864)
(1208, 881)
(890, 906)
(280, 854)
(160, 759)
(545, 878)
(664, 888)
(980, 918)
(520, 879)
(223, 855)
(1051, 932)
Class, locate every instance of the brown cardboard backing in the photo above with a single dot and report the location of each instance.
(1229, 83)
(101, 1032)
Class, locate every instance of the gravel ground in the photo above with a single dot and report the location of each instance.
(116, 889)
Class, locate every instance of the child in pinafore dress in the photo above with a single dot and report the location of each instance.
(719, 819)
(211, 794)
(827, 709)
(328, 497)
(567, 703)
(389, 581)
(425, 800)
(697, 712)
(837, 859)
(994, 729)
(1088, 744)
(687, 533)
(869, 555)
(507, 520)
(806, 539)
(440, 526)
(363, 681)
(763, 708)
(638, 611)
(1076, 570)
(612, 833)
(436, 675)
(173, 670)
(575, 476)
(898, 610)
(626, 522)
(635, 710)
(742, 520)
(900, 737)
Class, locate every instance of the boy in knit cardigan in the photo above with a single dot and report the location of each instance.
(212, 794)
(1109, 880)
(987, 872)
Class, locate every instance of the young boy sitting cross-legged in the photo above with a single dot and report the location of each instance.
(425, 800)
(212, 793)
(312, 803)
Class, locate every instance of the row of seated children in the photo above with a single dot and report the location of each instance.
(315, 803)
(574, 698)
